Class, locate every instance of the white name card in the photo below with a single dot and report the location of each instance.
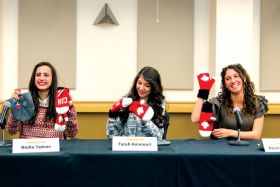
(271, 144)
(36, 145)
(123, 143)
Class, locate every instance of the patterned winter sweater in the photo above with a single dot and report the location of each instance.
(133, 127)
(42, 128)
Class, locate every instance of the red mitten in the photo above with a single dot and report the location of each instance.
(59, 123)
(207, 120)
(123, 103)
(62, 103)
(143, 111)
(205, 84)
(70, 101)
(65, 117)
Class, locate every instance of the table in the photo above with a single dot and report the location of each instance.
(183, 163)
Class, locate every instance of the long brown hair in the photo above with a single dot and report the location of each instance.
(250, 99)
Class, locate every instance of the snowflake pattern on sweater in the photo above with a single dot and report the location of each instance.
(133, 127)
(43, 128)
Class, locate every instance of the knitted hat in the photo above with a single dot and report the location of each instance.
(23, 109)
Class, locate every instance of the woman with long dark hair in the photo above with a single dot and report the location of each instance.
(142, 111)
(43, 90)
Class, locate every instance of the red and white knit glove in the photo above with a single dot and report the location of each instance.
(62, 103)
(143, 111)
(59, 123)
(205, 84)
(123, 103)
(207, 120)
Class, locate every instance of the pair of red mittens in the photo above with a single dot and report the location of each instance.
(143, 111)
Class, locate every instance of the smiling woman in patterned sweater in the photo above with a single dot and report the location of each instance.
(43, 89)
(142, 111)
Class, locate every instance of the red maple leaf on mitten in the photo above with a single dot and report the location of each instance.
(143, 111)
(207, 120)
(62, 103)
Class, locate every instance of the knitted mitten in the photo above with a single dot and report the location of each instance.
(123, 103)
(143, 111)
(207, 120)
(205, 84)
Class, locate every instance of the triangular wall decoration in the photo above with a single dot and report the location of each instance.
(106, 16)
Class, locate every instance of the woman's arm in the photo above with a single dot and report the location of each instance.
(195, 116)
(13, 125)
(72, 124)
(114, 127)
(205, 84)
(149, 129)
(255, 134)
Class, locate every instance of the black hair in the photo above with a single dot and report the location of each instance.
(155, 98)
(51, 112)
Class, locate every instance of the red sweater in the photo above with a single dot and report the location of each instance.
(42, 128)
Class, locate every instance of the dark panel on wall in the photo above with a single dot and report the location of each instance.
(1, 43)
(167, 45)
(270, 45)
(47, 32)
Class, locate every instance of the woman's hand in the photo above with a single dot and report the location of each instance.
(16, 93)
(224, 133)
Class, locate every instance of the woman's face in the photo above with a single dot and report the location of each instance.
(43, 78)
(143, 88)
(233, 81)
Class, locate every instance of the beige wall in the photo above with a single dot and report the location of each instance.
(236, 38)
(224, 32)
(1, 45)
(98, 48)
(171, 33)
(47, 32)
(270, 44)
(9, 74)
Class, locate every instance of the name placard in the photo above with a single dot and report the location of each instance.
(123, 143)
(36, 145)
(271, 144)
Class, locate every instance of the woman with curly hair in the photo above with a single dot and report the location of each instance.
(238, 92)
(142, 111)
